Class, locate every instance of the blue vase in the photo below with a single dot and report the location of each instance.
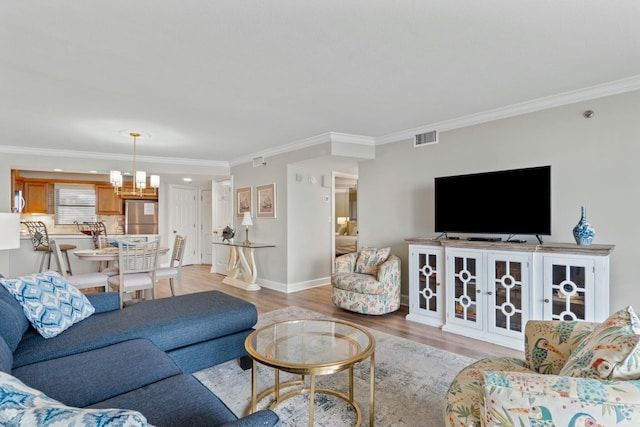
(583, 232)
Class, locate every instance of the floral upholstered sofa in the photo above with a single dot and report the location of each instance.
(576, 374)
(367, 282)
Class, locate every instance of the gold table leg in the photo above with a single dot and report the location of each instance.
(372, 383)
(312, 397)
(254, 386)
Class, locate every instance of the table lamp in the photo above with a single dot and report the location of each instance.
(9, 232)
(246, 221)
(342, 220)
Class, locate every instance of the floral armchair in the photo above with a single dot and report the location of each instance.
(575, 374)
(367, 282)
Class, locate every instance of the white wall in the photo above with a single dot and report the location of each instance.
(594, 163)
(300, 232)
(309, 228)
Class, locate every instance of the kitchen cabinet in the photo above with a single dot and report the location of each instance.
(37, 196)
(107, 201)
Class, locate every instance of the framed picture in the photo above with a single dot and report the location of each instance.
(243, 201)
(266, 200)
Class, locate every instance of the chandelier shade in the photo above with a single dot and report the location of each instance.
(139, 177)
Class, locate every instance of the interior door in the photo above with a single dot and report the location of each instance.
(183, 219)
(222, 216)
(206, 226)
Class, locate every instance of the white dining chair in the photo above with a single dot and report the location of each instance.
(137, 263)
(81, 280)
(174, 270)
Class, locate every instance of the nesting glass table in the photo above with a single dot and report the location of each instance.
(311, 347)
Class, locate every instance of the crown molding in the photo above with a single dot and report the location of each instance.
(305, 143)
(617, 87)
(10, 149)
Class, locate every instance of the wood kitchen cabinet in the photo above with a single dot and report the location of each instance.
(37, 197)
(107, 201)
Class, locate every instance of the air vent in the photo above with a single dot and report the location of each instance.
(426, 138)
(259, 161)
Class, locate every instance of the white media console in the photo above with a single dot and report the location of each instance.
(489, 290)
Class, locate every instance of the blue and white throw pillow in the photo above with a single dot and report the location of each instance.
(21, 405)
(50, 303)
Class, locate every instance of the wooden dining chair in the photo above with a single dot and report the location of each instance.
(174, 270)
(40, 241)
(80, 281)
(137, 263)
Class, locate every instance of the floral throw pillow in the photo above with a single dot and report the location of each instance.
(21, 405)
(370, 258)
(50, 303)
(611, 351)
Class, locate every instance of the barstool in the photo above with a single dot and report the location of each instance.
(40, 242)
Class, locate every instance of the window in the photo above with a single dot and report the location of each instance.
(75, 202)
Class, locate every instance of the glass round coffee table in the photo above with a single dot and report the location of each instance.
(310, 347)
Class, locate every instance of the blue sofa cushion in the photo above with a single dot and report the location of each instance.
(169, 323)
(104, 301)
(11, 312)
(49, 302)
(13, 324)
(6, 357)
(177, 401)
(205, 354)
(23, 406)
(86, 378)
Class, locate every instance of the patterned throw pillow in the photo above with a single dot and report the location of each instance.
(21, 405)
(370, 258)
(50, 303)
(611, 351)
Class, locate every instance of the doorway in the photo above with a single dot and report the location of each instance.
(182, 220)
(345, 214)
(206, 226)
(222, 216)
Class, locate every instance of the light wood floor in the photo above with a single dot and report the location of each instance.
(197, 278)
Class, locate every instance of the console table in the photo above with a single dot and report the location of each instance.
(489, 290)
(242, 261)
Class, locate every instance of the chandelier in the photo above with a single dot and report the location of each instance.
(139, 177)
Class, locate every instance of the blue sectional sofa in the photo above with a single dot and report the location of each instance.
(139, 358)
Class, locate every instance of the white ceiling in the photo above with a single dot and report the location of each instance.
(223, 80)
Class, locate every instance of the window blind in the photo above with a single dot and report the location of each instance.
(75, 202)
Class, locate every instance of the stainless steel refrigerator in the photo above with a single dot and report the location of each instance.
(141, 217)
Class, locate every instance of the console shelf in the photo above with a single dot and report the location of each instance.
(489, 290)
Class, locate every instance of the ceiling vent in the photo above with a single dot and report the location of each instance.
(259, 161)
(427, 138)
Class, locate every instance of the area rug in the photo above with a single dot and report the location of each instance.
(411, 380)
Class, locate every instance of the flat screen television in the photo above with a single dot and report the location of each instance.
(516, 201)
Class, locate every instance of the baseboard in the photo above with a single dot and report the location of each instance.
(293, 287)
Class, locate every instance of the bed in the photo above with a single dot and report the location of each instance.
(346, 244)
(347, 239)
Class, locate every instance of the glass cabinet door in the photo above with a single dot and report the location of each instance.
(568, 291)
(465, 274)
(428, 293)
(508, 293)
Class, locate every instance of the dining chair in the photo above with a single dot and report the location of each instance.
(79, 281)
(174, 270)
(40, 241)
(137, 262)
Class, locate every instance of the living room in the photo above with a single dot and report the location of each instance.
(575, 109)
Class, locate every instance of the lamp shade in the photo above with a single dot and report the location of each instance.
(342, 220)
(246, 220)
(9, 230)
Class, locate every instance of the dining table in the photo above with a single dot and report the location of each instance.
(107, 254)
